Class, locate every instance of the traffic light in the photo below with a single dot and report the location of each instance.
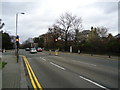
(17, 41)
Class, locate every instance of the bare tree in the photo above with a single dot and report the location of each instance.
(55, 32)
(69, 24)
(102, 31)
(1, 24)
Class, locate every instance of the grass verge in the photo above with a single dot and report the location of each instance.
(2, 64)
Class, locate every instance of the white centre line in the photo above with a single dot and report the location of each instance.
(43, 59)
(57, 66)
(94, 83)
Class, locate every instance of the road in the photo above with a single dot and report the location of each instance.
(73, 71)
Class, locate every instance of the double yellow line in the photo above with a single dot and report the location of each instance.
(35, 83)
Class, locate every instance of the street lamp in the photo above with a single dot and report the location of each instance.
(17, 20)
(17, 37)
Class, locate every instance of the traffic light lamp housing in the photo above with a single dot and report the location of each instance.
(17, 41)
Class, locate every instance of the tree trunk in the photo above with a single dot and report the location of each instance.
(66, 36)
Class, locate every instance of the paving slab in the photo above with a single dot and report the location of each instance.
(13, 73)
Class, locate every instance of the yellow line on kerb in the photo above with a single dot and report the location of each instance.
(35, 78)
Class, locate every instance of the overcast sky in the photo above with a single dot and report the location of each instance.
(41, 14)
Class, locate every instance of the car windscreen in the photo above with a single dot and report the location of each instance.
(39, 48)
(33, 49)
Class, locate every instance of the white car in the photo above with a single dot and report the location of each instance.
(33, 50)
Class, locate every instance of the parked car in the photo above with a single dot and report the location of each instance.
(0, 50)
(39, 49)
(33, 50)
(27, 49)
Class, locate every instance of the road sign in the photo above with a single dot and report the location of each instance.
(30, 40)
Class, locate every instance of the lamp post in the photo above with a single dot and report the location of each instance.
(17, 20)
(17, 37)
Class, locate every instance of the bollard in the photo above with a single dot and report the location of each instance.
(109, 56)
(49, 52)
(91, 54)
(56, 53)
(79, 51)
(4, 50)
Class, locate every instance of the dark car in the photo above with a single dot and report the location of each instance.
(27, 49)
(39, 49)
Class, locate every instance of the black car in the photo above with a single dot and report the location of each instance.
(27, 49)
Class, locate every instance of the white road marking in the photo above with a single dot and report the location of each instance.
(43, 59)
(93, 82)
(57, 66)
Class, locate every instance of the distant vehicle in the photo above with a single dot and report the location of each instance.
(1, 50)
(33, 50)
(39, 49)
(27, 49)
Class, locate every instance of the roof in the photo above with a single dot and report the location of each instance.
(85, 32)
(117, 36)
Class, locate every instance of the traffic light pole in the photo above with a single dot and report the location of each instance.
(16, 33)
(17, 37)
(17, 47)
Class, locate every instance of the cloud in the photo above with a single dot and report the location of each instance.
(99, 14)
(39, 15)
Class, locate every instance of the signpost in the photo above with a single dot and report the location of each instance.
(70, 49)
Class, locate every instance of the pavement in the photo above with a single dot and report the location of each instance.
(95, 55)
(0, 79)
(13, 75)
(0, 72)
